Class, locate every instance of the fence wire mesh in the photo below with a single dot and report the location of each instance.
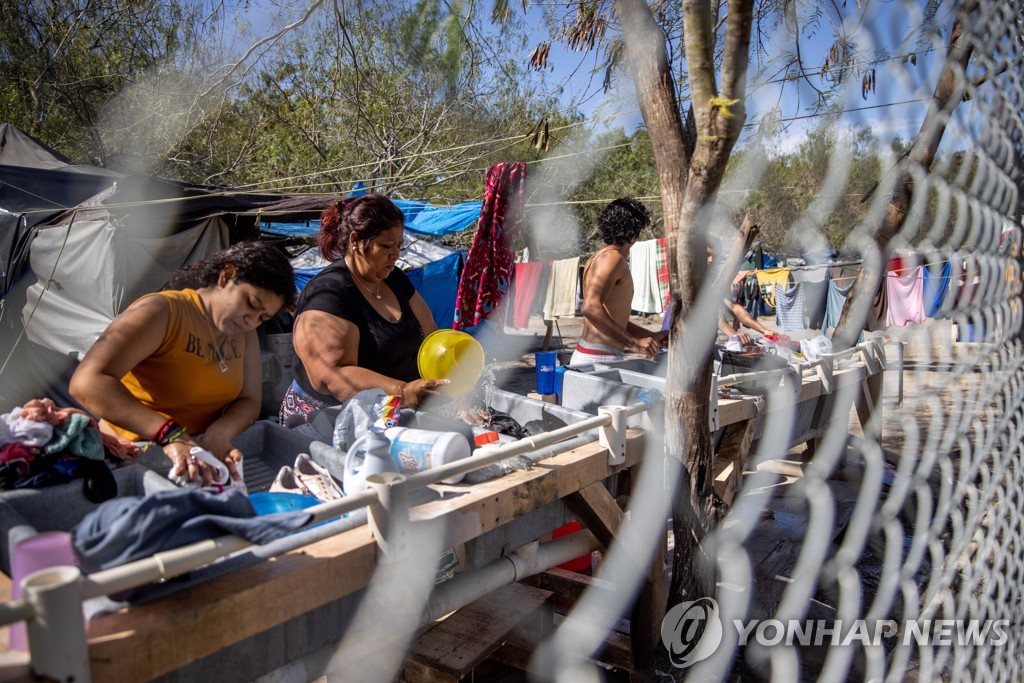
(905, 521)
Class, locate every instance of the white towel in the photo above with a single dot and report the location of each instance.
(562, 286)
(643, 267)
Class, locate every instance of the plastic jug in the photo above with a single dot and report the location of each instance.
(416, 450)
(370, 454)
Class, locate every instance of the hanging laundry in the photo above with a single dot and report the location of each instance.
(838, 289)
(563, 285)
(643, 268)
(905, 295)
(525, 283)
(751, 295)
(661, 247)
(879, 312)
(488, 270)
(789, 307)
(815, 283)
(767, 279)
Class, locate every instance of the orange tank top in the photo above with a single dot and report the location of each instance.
(182, 379)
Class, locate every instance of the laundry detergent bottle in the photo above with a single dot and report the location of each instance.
(415, 450)
(371, 452)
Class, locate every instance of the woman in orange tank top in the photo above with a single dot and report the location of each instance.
(181, 367)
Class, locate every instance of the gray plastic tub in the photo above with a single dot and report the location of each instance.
(27, 512)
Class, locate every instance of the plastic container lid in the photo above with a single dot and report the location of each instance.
(454, 356)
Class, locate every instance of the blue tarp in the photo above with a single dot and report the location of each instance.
(438, 284)
(420, 218)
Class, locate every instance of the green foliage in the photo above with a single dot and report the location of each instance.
(61, 63)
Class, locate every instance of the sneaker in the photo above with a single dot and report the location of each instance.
(316, 478)
(287, 482)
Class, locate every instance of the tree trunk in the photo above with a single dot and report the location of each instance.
(949, 93)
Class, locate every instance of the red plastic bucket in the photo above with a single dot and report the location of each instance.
(581, 563)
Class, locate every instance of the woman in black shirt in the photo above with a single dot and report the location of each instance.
(359, 322)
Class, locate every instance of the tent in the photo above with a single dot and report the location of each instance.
(36, 184)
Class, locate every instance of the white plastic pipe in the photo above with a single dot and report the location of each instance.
(469, 586)
(56, 634)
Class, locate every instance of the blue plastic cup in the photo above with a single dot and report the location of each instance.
(545, 363)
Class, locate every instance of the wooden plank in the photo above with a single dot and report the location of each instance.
(566, 583)
(455, 646)
(146, 641)
(647, 614)
(598, 511)
(728, 465)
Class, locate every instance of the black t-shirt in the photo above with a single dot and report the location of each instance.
(385, 347)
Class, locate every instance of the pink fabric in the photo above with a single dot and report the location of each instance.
(905, 292)
(525, 281)
(488, 269)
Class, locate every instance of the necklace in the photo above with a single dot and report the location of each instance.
(221, 363)
(375, 294)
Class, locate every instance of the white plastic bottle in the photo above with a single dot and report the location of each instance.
(416, 450)
(370, 454)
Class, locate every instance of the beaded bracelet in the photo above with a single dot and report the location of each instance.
(168, 432)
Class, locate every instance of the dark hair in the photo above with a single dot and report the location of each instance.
(622, 221)
(256, 263)
(367, 216)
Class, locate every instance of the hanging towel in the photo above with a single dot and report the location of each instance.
(488, 269)
(767, 279)
(525, 283)
(643, 267)
(936, 284)
(563, 283)
(789, 307)
(906, 296)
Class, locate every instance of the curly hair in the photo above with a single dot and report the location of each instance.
(256, 263)
(367, 216)
(622, 221)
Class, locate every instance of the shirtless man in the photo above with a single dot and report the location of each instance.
(608, 290)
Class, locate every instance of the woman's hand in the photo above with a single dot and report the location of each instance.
(416, 392)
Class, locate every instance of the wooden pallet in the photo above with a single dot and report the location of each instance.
(450, 648)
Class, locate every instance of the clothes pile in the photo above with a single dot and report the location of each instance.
(43, 445)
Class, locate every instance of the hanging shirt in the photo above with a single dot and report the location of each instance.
(789, 307)
(905, 293)
(767, 279)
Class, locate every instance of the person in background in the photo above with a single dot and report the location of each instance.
(181, 367)
(359, 322)
(733, 314)
(608, 290)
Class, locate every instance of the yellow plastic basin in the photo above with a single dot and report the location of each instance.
(454, 356)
